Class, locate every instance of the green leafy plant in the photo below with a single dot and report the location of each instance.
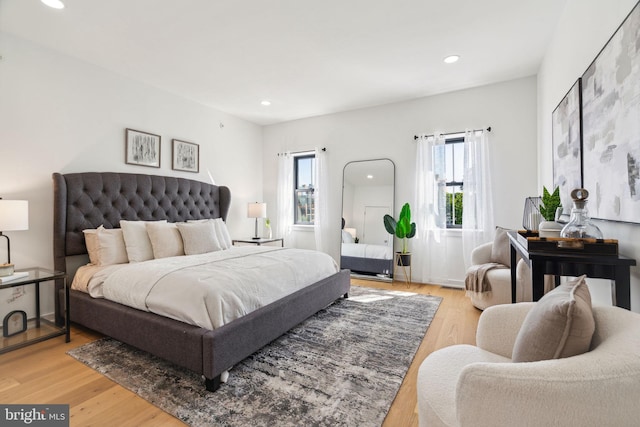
(403, 228)
(550, 202)
(454, 209)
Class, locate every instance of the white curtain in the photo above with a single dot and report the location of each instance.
(322, 224)
(430, 210)
(284, 197)
(478, 222)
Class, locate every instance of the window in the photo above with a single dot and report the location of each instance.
(449, 169)
(304, 172)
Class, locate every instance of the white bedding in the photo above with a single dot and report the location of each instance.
(208, 290)
(363, 250)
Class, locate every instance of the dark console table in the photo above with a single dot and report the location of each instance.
(614, 267)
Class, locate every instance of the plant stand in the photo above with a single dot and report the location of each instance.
(401, 263)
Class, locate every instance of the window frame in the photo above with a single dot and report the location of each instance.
(296, 190)
(458, 139)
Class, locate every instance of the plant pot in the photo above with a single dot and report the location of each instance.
(403, 260)
(549, 229)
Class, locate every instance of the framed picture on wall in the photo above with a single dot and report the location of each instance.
(566, 122)
(611, 129)
(142, 148)
(186, 156)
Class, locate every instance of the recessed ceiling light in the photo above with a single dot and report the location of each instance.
(265, 102)
(369, 176)
(56, 4)
(451, 59)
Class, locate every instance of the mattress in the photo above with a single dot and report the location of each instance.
(363, 250)
(208, 290)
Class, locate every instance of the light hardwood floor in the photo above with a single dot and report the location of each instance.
(42, 373)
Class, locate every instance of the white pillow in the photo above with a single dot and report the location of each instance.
(91, 241)
(106, 246)
(221, 231)
(223, 234)
(199, 237)
(137, 240)
(165, 238)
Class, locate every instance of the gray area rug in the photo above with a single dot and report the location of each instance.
(341, 367)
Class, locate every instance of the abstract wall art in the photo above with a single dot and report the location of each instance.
(611, 125)
(186, 156)
(142, 148)
(567, 143)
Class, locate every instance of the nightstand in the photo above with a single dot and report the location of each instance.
(259, 241)
(38, 328)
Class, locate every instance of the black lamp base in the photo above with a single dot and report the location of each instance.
(256, 233)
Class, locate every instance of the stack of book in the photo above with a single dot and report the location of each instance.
(15, 276)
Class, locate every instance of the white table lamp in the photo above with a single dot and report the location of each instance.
(351, 231)
(14, 216)
(257, 210)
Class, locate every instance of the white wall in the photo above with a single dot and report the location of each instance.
(363, 197)
(61, 115)
(387, 132)
(348, 191)
(583, 30)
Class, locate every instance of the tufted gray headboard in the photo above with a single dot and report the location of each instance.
(90, 199)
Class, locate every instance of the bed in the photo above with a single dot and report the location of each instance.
(91, 199)
(367, 258)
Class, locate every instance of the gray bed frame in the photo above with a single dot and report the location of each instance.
(90, 199)
(370, 266)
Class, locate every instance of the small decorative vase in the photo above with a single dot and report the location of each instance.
(580, 225)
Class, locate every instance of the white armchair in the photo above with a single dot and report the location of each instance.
(500, 280)
(478, 386)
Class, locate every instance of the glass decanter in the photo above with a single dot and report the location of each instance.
(580, 225)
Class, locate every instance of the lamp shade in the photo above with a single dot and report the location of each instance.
(257, 210)
(351, 231)
(56, 4)
(14, 215)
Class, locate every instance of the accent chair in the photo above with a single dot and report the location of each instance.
(465, 385)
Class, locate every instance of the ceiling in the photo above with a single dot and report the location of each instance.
(307, 57)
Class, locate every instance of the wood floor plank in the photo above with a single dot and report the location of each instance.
(43, 373)
(8, 384)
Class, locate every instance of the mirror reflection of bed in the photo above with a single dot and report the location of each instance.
(368, 188)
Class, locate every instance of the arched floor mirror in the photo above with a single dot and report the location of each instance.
(368, 193)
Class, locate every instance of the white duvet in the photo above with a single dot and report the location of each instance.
(208, 290)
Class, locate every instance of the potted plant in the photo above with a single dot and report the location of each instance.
(550, 203)
(403, 229)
